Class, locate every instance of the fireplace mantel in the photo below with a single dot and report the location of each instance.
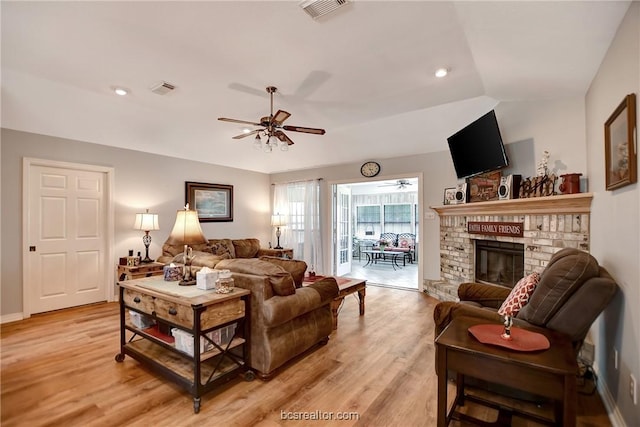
(561, 204)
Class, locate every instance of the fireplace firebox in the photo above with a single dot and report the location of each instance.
(499, 263)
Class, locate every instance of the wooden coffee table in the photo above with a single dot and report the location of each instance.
(549, 373)
(346, 286)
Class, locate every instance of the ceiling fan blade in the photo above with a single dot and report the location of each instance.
(280, 116)
(282, 137)
(305, 130)
(224, 119)
(244, 135)
(247, 89)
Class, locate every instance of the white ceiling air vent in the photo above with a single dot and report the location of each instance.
(163, 88)
(318, 8)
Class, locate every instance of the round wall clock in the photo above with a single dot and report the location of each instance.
(370, 169)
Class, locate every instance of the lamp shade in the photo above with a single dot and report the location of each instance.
(278, 220)
(146, 221)
(186, 230)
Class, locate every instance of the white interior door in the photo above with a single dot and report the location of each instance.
(66, 237)
(343, 230)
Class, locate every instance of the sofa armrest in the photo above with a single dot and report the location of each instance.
(487, 295)
(164, 259)
(259, 286)
(281, 309)
(444, 312)
(327, 287)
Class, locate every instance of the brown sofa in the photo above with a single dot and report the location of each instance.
(572, 292)
(285, 319)
(208, 254)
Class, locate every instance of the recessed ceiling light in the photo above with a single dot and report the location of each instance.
(441, 72)
(246, 130)
(120, 91)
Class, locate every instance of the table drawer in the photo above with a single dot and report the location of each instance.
(221, 313)
(139, 301)
(176, 313)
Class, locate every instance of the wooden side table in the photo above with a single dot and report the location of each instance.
(126, 272)
(549, 373)
(195, 312)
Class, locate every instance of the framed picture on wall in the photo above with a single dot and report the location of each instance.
(620, 145)
(214, 202)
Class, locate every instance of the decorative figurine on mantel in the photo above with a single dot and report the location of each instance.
(542, 164)
(541, 185)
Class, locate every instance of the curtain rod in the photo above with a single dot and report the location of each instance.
(295, 182)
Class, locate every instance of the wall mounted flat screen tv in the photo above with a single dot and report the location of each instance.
(478, 147)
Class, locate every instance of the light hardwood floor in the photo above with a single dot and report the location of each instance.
(58, 369)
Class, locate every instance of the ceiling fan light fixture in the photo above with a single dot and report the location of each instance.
(271, 128)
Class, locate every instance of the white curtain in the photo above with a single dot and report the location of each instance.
(299, 202)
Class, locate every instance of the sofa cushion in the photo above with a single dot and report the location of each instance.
(567, 270)
(246, 248)
(222, 247)
(295, 267)
(281, 281)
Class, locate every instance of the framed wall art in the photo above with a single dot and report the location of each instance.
(620, 145)
(214, 202)
(484, 187)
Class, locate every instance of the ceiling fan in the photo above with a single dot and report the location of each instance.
(401, 183)
(271, 127)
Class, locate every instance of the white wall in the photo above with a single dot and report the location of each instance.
(141, 181)
(557, 126)
(615, 229)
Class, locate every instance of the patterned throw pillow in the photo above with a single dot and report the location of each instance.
(404, 242)
(519, 295)
(222, 247)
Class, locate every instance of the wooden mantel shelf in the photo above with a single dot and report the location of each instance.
(561, 204)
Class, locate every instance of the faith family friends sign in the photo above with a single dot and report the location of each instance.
(509, 229)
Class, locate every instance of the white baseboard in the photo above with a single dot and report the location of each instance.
(609, 403)
(13, 317)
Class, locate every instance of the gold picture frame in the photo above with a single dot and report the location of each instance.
(620, 145)
(214, 202)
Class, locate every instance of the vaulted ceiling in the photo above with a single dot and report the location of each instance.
(365, 72)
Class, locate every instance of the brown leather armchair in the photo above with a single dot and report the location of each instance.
(572, 292)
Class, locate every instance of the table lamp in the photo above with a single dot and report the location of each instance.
(278, 221)
(146, 222)
(186, 231)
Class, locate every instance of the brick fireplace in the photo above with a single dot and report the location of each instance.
(549, 224)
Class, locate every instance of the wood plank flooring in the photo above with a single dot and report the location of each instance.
(58, 369)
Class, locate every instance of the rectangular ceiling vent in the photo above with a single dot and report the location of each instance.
(163, 88)
(318, 8)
